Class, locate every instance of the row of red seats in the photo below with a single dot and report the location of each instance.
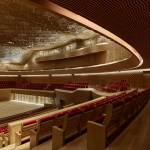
(68, 86)
(7, 84)
(116, 86)
(115, 100)
(4, 130)
(36, 86)
(113, 87)
(74, 86)
(42, 86)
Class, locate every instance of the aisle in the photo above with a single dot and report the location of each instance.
(137, 135)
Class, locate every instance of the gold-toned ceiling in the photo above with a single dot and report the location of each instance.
(128, 19)
(24, 27)
(27, 30)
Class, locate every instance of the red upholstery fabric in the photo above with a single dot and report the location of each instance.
(3, 130)
(41, 86)
(46, 118)
(100, 118)
(75, 111)
(29, 122)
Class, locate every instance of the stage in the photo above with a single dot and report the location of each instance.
(13, 109)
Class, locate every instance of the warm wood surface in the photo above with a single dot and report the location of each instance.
(10, 108)
(135, 137)
(77, 144)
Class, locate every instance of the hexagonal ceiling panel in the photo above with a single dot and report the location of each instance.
(25, 27)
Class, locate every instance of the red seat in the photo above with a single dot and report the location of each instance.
(46, 118)
(99, 118)
(29, 122)
(3, 130)
(75, 111)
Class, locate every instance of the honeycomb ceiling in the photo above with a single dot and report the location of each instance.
(24, 28)
(128, 19)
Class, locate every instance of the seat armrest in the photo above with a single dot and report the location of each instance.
(57, 138)
(33, 138)
(1, 142)
(17, 138)
(6, 140)
(97, 131)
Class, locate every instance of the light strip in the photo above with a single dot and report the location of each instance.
(78, 74)
(8, 75)
(104, 73)
(113, 72)
(61, 75)
(34, 75)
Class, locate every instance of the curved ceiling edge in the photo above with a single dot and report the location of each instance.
(87, 69)
(69, 14)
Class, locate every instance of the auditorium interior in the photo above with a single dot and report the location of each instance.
(74, 75)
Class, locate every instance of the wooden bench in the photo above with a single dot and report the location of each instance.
(24, 133)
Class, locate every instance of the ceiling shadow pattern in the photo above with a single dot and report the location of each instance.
(128, 19)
